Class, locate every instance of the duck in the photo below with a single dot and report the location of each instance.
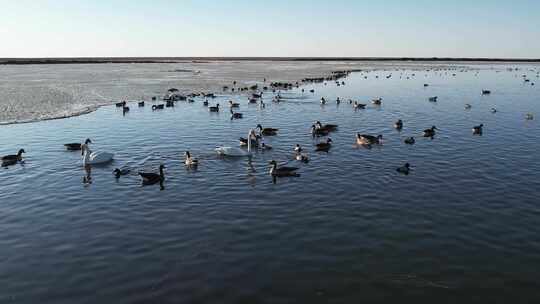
(190, 161)
(158, 107)
(486, 92)
(365, 139)
(267, 131)
(235, 115)
(430, 132)
(125, 110)
(120, 172)
(316, 132)
(398, 124)
(404, 169)
(141, 104)
(409, 140)
(478, 129)
(326, 127)
(433, 99)
(357, 105)
(233, 105)
(338, 101)
(529, 116)
(214, 108)
(323, 101)
(467, 106)
(282, 171)
(299, 156)
(121, 104)
(150, 178)
(493, 110)
(324, 146)
(14, 157)
(205, 103)
(426, 85)
(94, 158)
(73, 146)
(377, 101)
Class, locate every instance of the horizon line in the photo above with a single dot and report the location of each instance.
(148, 59)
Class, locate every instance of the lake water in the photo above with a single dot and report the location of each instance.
(463, 226)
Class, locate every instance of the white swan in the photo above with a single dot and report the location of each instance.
(237, 152)
(94, 158)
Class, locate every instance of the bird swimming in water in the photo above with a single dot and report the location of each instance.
(119, 172)
(493, 110)
(478, 129)
(9, 160)
(404, 169)
(324, 146)
(153, 178)
(398, 124)
(189, 160)
(430, 132)
(364, 139)
(282, 171)
(267, 131)
(358, 106)
(409, 140)
(467, 106)
(529, 116)
(235, 115)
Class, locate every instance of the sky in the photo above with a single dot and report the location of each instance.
(278, 28)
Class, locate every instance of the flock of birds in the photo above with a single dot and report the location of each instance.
(255, 137)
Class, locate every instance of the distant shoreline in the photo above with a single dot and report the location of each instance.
(103, 60)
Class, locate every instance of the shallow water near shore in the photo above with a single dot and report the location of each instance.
(465, 221)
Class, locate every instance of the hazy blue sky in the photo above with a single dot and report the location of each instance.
(458, 28)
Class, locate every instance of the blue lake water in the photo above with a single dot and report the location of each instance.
(464, 225)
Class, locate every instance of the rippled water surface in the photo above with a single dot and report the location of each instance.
(463, 226)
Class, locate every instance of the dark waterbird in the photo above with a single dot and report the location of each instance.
(267, 131)
(120, 172)
(282, 171)
(324, 146)
(430, 132)
(9, 160)
(73, 146)
(409, 140)
(398, 124)
(365, 139)
(478, 129)
(404, 169)
(16, 157)
(150, 178)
